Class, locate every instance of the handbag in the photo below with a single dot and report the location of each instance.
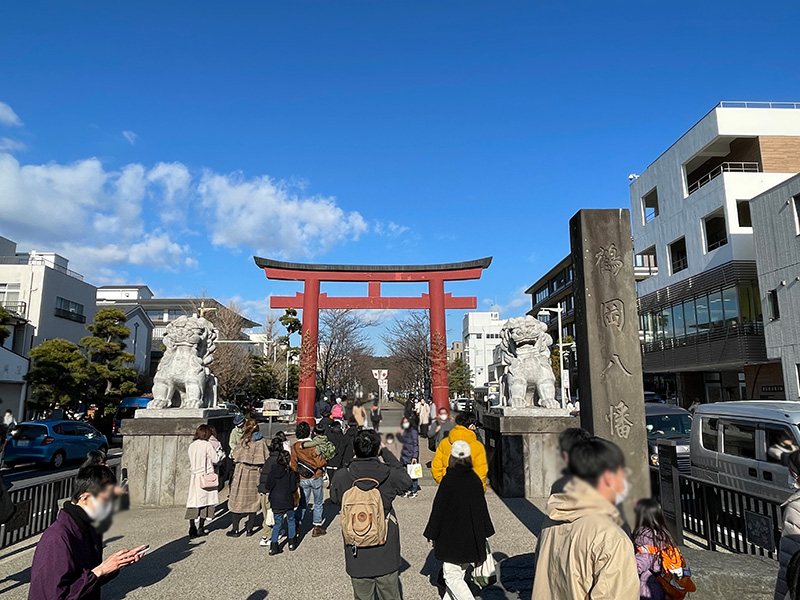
(414, 470)
(269, 519)
(485, 574)
(209, 481)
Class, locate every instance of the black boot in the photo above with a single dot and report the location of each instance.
(235, 531)
(293, 544)
(192, 529)
(201, 530)
(250, 526)
(274, 549)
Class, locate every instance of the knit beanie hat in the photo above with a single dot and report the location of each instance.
(460, 449)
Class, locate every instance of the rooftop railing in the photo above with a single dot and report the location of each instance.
(747, 104)
(726, 167)
(38, 261)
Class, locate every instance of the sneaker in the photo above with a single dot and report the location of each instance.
(265, 542)
(413, 494)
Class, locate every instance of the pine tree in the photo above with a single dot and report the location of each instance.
(59, 375)
(459, 376)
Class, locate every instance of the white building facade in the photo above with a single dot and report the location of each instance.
(480, 336)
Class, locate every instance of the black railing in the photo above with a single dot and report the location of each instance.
(715, 332)
(38, 503)
(72, 316)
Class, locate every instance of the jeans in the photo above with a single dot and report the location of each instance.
(279, 519)
(309, 486)
(457, 588)
(387, 586)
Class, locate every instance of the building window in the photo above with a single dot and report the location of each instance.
(541, 295)
(774, 307)
(677, 256)
(797, 374)
(67, 309)
(9, 295)
(174, 313)
(650, 205)
(796, 205)
(715, 230)
(156, 314)
(478, 336)
(743, 213)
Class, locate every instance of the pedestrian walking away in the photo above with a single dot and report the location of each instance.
(68, 562)
(459, 523)
(360, 414)
(375, 415)
(309, 466)
(203, 489)
(374, 569)
(464, 430)
(790, 533)
(275, 450)
(409, 437)
(282, 485)
(583, 552)
(249, 456)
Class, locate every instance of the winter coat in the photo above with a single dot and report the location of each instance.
(439, 434)
(790, 541)
(202, 458)
(320, 407)
(442, 457)
(375, 414)
(410, 440)
(409, 409)
(344, 448)
(281, 484)
(583, 554)
(459, 523)
(393, 480)
(308, 456)
(271, 462)
(337, 412)
(66, 554)
(236, 437)
(360, 414)
(648, 565)
(249, 458)
(423, 413)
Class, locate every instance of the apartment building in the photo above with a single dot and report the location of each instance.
(481, 334)
(701, 315)
(776, 229)
(455, 352)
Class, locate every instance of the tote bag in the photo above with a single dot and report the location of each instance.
(414, 470)
(485, 574)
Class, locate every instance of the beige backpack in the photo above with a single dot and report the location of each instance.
(363, 520)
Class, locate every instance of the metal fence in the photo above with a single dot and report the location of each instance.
(38, 503)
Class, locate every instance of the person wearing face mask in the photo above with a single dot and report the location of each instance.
(439, 429)
(409, 437)
(68, 562)
(583, 552)
(790, 533)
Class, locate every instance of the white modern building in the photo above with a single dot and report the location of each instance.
(480, 335)
(46, 300)
(700, 312)
(776, 228)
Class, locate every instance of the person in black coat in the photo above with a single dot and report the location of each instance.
(275, 449)
(282, 483)
(459, 523)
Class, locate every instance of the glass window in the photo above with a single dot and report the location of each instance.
(677, 321)
(709, 433)
(780, 443)
(174, 313)
(668, 426)
(749, 306)
(774, 307)
(666, 322)
(739, 439)
(796, 204)
(689, 317)
(478, 336)
(730, 305)
(156, 314)
(715, 312)
(743, 212)
(69, 306)
(701, 308)
(716, 231)
(9, 293)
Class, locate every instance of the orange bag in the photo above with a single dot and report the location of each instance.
(674, 577)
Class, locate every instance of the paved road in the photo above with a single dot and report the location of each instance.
(32, 473)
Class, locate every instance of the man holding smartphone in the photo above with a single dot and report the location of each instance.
(68, 562)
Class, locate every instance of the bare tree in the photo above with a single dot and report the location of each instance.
(232, 364)
(343, 344)
(408, 341)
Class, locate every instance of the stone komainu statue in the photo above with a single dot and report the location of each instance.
(526, 349)
(184, 368)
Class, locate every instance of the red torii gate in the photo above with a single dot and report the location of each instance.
(310, 301)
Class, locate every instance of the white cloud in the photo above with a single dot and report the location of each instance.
(389, 228)
(130, 136)
(8, 117)
(270, 217)
(175, 181)
(518, 304)
(11, 145)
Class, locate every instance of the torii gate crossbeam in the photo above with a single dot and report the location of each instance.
(310, 301)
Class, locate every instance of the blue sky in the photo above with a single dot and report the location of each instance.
(168, 142)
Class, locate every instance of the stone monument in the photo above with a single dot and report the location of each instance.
(607, 337)
(155, 442)
(522, 438)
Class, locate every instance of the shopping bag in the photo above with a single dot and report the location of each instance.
(269, 519)
(414, 470)
(485, 574)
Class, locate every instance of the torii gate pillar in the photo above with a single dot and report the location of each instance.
(310, 300)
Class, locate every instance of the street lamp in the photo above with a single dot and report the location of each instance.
(545, 312)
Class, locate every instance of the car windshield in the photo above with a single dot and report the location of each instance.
(126, 412)
(668, 426)
(29, 432)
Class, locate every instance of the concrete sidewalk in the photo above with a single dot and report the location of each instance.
(222, 568)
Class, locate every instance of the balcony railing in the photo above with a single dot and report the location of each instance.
(72, 316)
(727, 167)
(38, 261)
(16, 307)
(680, 264)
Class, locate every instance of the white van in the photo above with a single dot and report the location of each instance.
(744, 445)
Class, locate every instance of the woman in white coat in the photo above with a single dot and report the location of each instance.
(202, 500)
(790, 534)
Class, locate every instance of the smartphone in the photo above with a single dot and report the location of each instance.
(141, 552)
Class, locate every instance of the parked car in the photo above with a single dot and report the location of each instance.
(52, 442)
(232, 408)
(462, 404)
(745, 444)
(666, 422)
(652, 397)
(287, 411)
(127, 408)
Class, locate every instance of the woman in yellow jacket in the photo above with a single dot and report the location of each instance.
(463, 431)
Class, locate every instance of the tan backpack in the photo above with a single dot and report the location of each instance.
(363, 520)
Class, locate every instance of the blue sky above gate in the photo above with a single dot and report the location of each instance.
(166, 143)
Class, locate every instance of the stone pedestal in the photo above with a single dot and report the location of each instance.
(522, 451)
(155, 456)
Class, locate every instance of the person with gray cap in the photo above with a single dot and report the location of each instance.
(236, 432)
(459, 524)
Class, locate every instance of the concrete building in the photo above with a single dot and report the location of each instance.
(700, 314)
(776, 227)
(455, 351)
(481, 333)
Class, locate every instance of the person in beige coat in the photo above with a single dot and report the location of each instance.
(360, 414)
(244, 501)
(201, 502)
(583, 552)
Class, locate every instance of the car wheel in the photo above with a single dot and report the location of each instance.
(58, 460)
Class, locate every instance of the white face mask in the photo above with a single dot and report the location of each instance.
(406, 425)
(623, 494)
(96, 510)
(390, 441)
(443, 417)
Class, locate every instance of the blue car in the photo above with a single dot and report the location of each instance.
(52, 442)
